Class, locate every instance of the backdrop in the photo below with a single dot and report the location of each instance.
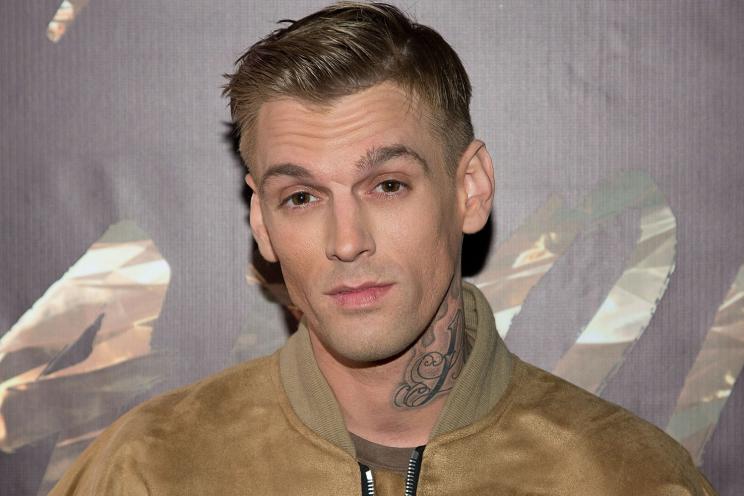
(614, 256)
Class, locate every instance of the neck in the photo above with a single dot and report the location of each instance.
(397, 402)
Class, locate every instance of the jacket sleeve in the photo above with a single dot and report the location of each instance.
(109, 466)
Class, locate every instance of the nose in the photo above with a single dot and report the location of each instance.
(348, 235)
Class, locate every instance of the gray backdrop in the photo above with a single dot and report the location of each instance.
(122, 118)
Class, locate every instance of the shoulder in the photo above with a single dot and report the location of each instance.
(592, 435)
(185, 426)
(238, 390)
(586, 415)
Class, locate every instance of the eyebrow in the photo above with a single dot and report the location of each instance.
(379, 155)
(288, 169)
(374, 157)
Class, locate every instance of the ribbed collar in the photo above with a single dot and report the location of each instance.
(481, 384)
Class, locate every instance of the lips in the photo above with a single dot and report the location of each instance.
(360, 296)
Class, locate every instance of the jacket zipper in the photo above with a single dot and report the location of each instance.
(412, 475)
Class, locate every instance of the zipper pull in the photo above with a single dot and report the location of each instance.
(368, 481)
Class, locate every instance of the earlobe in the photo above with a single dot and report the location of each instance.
(258, 228)
(477, 182)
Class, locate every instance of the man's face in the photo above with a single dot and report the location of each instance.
(354, 202)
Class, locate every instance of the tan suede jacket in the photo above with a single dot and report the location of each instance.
(272, 427)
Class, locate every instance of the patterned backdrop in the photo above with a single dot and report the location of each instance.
(614, 256)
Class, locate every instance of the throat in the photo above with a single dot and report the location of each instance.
(397, 403)
(432, 370)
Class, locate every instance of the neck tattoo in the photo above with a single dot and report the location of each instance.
(438, 358)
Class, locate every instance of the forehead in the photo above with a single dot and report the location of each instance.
(289, 130)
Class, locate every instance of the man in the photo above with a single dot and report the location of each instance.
(355, 126)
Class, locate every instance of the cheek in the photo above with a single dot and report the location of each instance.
(424, 237)
(294, 247)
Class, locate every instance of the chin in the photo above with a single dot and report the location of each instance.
(371, 350)
(370, 356)
(368, 337)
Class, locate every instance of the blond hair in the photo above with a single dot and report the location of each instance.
(348, 47)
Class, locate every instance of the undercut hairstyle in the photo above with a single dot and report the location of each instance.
(348, 47)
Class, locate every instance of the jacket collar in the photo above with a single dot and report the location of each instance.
(481, 384)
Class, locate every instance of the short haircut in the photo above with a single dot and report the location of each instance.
(348, 47)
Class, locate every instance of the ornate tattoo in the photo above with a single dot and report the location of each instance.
(433, 372)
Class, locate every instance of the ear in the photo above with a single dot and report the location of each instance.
(476, 186)
(260, 234)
